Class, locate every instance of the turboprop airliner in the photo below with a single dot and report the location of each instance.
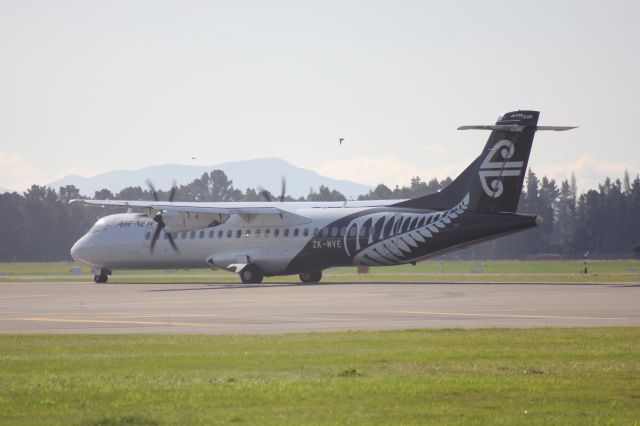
(258, 239)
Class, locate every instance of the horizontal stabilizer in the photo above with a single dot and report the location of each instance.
(501, 127)
(556, 128)
(514, 127)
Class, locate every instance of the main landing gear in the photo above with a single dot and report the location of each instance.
(102, 277)
(251, 274)
(311, 277)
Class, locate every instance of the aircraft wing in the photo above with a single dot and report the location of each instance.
(190, 216)
(181, 207)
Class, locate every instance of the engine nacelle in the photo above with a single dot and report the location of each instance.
(187, 221)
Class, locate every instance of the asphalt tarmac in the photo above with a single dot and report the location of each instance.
(280, 308)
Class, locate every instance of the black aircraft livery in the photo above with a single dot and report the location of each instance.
(477, 206)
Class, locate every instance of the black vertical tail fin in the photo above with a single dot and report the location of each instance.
(494, 179)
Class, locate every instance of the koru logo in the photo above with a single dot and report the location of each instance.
(495, 167)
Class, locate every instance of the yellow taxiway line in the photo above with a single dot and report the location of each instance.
(165, 323)
(27, 296)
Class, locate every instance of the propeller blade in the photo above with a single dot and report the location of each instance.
(153, 190)
(174, 188)
(156, 235)
(284, 189)
(172, 242)
(264, 194)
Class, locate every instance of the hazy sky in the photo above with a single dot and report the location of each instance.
(91, 86)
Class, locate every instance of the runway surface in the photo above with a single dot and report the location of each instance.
(278, 308)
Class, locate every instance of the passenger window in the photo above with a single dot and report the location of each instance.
(220, 233)
(306, 232)
(267, 232)
(352, 231)
(276, 232)
(211, 234)
(147, 236)
(239, 233)
(343, 231)
(201, 236)
(286, 232)
(325, 232)
(315, 232)
(184, 235)
(247, 233)
(334, 231)
(258, 232)
(229, 233)
(296, 232)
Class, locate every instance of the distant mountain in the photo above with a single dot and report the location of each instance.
(265, 172)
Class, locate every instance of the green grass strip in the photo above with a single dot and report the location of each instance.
(600, 271)
(427, 267)
(487, 376)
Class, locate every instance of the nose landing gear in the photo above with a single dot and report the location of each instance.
(102, 277)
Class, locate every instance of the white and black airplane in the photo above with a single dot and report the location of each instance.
(257, 239)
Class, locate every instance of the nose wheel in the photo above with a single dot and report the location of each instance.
(103, 277)
(311, 277)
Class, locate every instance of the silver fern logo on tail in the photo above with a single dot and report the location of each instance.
(387, 238)
(493, 167)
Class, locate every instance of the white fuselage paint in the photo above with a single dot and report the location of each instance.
(123, 240)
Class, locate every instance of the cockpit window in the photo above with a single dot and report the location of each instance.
(99, 226)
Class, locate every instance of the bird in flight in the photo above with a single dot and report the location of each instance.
(341, 140)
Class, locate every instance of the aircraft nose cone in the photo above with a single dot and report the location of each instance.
(79, 249)
(74, 251)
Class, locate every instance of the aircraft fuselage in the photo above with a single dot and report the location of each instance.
(334, 235)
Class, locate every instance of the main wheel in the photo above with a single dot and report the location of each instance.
(251, 274)
(102, 278)
(311, 277)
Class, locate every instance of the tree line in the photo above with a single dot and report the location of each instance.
(605, 222)
(41, 225)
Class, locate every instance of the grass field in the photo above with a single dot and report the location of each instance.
(617, 271)
(491, 376)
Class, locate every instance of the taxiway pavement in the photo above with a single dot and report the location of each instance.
(278, 308)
